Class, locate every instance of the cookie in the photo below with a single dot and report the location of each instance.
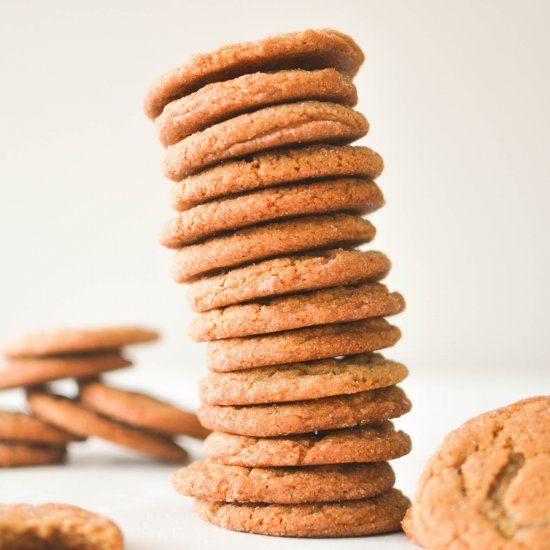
(273, 127)
(26, 527)
(140, 410)
(379, 514)
(272, 239)
(488, 485)
(305, 344)
(75, 418)
(287, 275)
(340, 195)
(26, 454)
(301, 381)
(222, 100)
(30, 371)
(309, 49)
(71, 341)
(298, 417)
(374, 443)
(221, 483)
(320, 307)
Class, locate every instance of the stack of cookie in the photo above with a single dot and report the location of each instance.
(269, 196)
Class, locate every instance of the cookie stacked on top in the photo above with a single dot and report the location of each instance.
(270, 198)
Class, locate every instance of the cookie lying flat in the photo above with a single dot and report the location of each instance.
(373, 443)
(340, 195)
(26, 454)
(301, 381)
(333, 305)
(380, 514)
(287, 275)
(305, 344)
(275, 168)
(30, 371)
(272, 239)
(60, 526)
(222, 100)
(71, 416)
(220, 483)
(297, 417)
(309, 49)
(140, 410)
(488, 485)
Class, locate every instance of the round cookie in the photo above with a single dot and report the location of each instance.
(305, 344)
(222, 100)
(140, 410)
(380, 514)
(221, 483)
(488, 485)
(341, 195)
(301, 381)
(309, 49)
(30, 371)
(275, 168)
(374, 443)
(71, 416)
(272, 239)
(298, 417)
(24, 454)
(323, 269)
(333, 305)
(268, 128)
(71, 341)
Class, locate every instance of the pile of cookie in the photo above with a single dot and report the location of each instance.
(270, 195)
(133, 420)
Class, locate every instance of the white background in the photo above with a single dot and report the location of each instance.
(457, 97)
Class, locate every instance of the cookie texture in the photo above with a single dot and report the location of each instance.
(221, 483)
(268, 128)
(287, 275)
(322, 197)
(488, 485)
(270, 168)
(309, 49)
(59, 526)
(272, 239)
(380, 514)
(26, 454)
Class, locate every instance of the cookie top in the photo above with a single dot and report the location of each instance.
(323, 269)
(222, 100)
(488, 485)
(340, 195)
(320, 307)
(301, 381)
(372, 443)
(272, 239)
(70, 341)
(14, 454)
(272, 127)
(208, 480)
(309, 49)
(56, 526)
(305, 344)
(140, 410)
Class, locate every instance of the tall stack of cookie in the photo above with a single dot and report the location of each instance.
(270, 197)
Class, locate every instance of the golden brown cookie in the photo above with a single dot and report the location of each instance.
(301, 381)
(273, 127)
(222, 100)
(56, 526)
(309, 49)
(350, 195)
(290, 274)
(379, 514)
(27, 454)
(373, 443)
(221, 483)
(305, 344)
(140, 410)
(71, 416)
